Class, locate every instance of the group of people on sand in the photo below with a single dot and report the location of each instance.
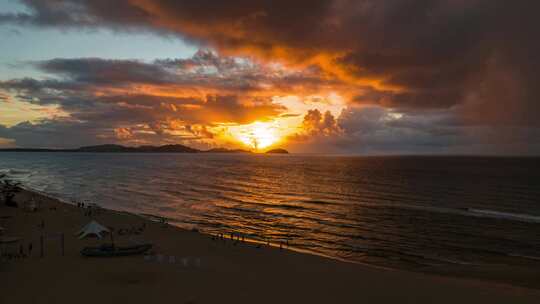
(237, 238)
(132, 230)
(89, 210)
(233, 237)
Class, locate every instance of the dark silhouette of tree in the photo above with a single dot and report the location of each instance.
(8, 189)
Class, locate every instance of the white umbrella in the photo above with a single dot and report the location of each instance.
(92, 228)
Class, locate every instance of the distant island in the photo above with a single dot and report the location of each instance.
(112, 148)
(141, 149)
(277, 151)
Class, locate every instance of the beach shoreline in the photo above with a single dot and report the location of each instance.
(523, 274)
(234, 271)
(153, 217)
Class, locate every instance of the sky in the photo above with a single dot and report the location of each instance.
(319, 76)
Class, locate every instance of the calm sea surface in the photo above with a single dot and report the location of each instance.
(392, 211)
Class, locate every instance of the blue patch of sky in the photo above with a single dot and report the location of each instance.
(23, 44)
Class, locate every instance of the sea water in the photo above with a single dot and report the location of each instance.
(390, 211)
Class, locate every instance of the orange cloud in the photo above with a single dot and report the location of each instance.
(409, 56)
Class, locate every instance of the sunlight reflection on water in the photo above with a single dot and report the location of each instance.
(385, 210)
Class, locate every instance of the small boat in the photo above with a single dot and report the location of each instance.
(113, 251)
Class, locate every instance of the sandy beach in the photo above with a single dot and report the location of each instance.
(204, 269)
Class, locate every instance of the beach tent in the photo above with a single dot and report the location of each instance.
(92, 229)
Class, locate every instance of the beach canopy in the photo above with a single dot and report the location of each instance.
(92, 229)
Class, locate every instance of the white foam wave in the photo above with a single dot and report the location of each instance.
(505, 215)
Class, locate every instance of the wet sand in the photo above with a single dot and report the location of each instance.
(217, 271)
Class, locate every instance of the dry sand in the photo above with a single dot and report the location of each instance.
(228, 273)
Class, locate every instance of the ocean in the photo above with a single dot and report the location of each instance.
(404, 212)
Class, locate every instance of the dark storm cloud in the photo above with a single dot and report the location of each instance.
(474, 61)
(205, 71)
(203, 89)
(132, 101)
(376, 130)
(111, 111)
(103, 71)
(427, 54)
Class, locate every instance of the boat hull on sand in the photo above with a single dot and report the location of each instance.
(113, 251)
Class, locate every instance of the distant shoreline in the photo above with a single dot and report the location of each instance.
(227, 151)
(109, 148)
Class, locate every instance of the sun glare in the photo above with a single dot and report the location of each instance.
(257, 135)
(262, 135)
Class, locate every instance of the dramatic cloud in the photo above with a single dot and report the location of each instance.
(317, 124)
(165, 101)
(474, 61)
(427, 53)
(376, 130)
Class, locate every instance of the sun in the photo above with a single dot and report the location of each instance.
(257, 135)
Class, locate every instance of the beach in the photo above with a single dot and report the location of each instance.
(205, 269)
(330, 151)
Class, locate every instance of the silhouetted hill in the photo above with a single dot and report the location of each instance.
(112, 148)
(277, 151)
(106, 148)
(141, 149)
